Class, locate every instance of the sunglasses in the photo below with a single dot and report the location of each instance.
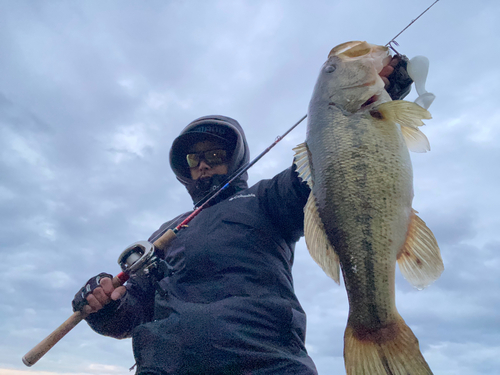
(212, 157)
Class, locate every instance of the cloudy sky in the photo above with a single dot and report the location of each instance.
(92, 94)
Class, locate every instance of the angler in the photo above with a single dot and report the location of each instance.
(225, 303)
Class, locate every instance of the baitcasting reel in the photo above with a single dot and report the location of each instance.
(138, 259)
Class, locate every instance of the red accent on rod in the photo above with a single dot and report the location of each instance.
(243, 170)
(188, 219)
(123, 277)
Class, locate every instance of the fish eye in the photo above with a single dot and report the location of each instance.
(330, 69)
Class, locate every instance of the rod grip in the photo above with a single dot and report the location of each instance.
(53, 338)
(46, 344)
(163, 242)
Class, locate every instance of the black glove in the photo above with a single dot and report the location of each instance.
(399, 80)
(80, 299)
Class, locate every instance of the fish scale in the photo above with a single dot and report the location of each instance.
(359, 214)
(348, 176)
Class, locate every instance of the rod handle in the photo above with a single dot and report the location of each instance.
(46, 344)
(53, 338)
(163, 242)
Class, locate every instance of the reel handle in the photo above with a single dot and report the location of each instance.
(53, 338)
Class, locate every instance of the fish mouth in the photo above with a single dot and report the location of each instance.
(370, 101)
(356, 49)
(377, 57)
(364, 87)
(350, 49)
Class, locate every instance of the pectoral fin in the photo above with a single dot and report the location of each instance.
(409, 115)
(416, 141)
(317, 242)
(420, 259)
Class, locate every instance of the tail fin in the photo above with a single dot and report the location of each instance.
(388, 351)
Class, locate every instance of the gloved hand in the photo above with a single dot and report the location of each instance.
(396, 78)
(97, 292)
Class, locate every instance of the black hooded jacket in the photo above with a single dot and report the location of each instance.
(226, 304)
(218, 128)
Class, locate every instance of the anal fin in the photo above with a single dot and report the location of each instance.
(420, 259)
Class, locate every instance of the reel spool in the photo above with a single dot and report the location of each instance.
(138, 258)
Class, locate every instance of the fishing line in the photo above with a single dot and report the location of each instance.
(212, 195)
(147, 257)
(393, 40)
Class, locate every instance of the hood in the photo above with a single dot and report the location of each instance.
(206, 128)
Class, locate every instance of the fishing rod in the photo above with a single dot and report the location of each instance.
(140, 258)
(225, 185)
(211, 196)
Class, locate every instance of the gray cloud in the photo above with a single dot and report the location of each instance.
(92, 94)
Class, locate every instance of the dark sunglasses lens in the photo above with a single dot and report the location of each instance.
(212, 157)
(193, 160)
(215, 157)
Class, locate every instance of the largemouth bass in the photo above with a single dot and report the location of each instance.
(359, 213)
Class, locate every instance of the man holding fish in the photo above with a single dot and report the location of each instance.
(225, 303)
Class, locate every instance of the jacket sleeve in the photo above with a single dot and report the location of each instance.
(284, 198)
(119, 318)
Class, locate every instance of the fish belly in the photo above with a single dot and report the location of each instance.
(362, 178)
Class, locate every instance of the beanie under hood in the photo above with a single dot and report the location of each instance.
(218, 128)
